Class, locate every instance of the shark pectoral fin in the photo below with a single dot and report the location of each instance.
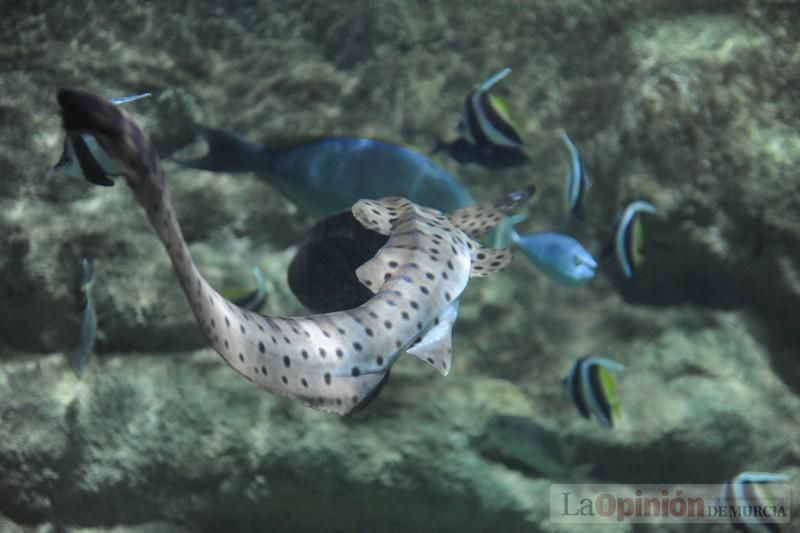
(379, 215)
(435, 347)
(476, 221)
(487, 261)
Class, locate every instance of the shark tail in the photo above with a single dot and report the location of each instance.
(228, 152)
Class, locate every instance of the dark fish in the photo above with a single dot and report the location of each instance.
(463, 152)
(322, 274)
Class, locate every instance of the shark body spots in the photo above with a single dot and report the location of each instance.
(333, 362)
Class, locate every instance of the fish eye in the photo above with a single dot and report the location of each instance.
(577, 260)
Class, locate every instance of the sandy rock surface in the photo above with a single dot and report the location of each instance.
(692, 105)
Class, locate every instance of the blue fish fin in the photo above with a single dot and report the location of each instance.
(229, 152)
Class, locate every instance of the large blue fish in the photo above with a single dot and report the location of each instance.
(328, 175)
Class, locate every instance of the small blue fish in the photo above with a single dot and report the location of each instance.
(485, 120)
(88, 334)
(578, 180)
(629, 237)
(593, 389)
(561, 257)
(82, 157)
(764, 490)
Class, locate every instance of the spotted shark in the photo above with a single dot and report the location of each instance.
(334, 362)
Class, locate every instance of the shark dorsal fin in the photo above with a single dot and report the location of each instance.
(380, 215)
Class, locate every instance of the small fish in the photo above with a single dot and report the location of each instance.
(335, 362)
(485, 120)
(561, 257)
(755, 489)
(82, 157)
(578, 180)
(88, 334)
(629, 237)
(593, 389)
(253, 300)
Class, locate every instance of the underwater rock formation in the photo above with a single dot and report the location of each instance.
(691, 105)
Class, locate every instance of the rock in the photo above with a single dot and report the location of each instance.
(689, 104)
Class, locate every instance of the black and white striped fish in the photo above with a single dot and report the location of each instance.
(593, 389)
(578, 180)
(485, 121)
(749, 491)
(82, 157)
(629, 237)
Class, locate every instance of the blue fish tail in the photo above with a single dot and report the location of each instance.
(229, 152)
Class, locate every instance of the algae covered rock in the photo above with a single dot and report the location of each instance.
(691, 105)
